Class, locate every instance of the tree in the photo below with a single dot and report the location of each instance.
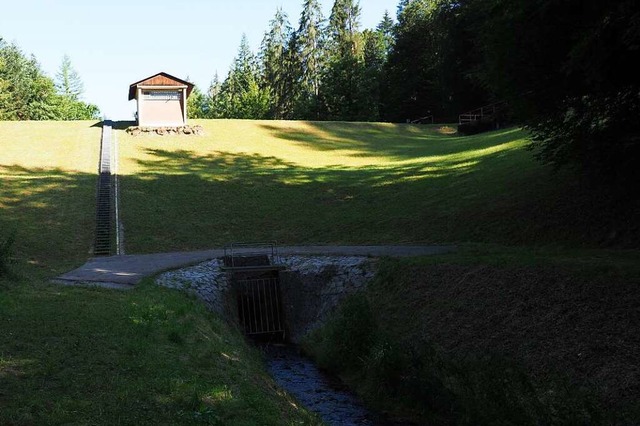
(375, 56)
(4, 94)
(28, 93)
(385, 29)
(196, 104)
(214, 100)
(307, 60)
(430, 62)
(569, 80)
(276, 72)
(70, 88)
(342, 88)
(240, 94)
(68, 82)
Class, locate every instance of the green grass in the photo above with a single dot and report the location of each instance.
(529, 282)
(47, 192)
(497, 338)
(144, 357)
(351, 183)
(91, 356)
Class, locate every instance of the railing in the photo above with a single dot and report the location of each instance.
(235, 253)
(427, 118)
(489, 111)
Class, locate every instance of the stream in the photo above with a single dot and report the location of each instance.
(317, 391)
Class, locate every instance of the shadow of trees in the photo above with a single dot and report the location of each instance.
(182, 200)
(52, 213)
(396, 141)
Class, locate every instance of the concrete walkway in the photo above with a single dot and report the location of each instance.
(126, 271)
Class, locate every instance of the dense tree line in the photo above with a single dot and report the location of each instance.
(329, 68)
(27, 93)
(565, 68)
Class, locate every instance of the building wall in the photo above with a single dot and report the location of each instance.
(159, 111)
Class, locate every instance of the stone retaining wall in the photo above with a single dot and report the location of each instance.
(312, 287)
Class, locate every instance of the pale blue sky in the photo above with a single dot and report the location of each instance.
(117, 42)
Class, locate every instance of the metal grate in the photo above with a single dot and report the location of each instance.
(102, 242)
(259, 307)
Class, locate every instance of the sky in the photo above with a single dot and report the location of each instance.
(114, 43)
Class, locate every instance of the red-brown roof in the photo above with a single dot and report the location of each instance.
(160, 79)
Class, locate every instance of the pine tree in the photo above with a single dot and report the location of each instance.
(342, 88)
(385, 28)
(4, 94)
(196, 104)
(70, 88)
(344, 25)
(241, 95)
(68, 82)
(375, 56)
(307, 59)
(274, 56)
(213, 99)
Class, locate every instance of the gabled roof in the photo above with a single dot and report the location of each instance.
(160, 79)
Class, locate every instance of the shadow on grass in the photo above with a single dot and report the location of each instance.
(397, 141)
(182, 200)
(52, 214)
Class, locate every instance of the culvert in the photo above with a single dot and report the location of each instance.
(254, 279)
(310, 288)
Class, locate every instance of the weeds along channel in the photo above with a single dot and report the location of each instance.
(467, 338)
(452, 342)
(275, 305)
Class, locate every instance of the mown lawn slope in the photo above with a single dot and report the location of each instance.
(95, 356)
(359, 183)
(47, 191)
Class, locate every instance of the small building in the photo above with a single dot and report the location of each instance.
(162, 100)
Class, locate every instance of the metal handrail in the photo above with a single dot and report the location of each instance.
(248, 249)
(419, 120)
(480, 113)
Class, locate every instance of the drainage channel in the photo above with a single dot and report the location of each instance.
(255, 283)
(102, 242)
(318, 391)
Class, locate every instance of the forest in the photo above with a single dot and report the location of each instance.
(27, 93)
(563, 68)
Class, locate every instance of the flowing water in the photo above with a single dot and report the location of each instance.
(317, 391)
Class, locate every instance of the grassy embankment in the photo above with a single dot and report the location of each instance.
(94, 356)
(321, 183)
(298, 182)
(556, 314)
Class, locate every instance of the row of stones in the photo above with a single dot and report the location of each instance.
(180, 130)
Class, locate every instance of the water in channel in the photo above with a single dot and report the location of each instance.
(317, 391)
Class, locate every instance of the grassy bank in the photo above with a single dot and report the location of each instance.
(147, 356)
(47, 192)
(496, 338)
(523, 324)
(306, 182)
(92, 356)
